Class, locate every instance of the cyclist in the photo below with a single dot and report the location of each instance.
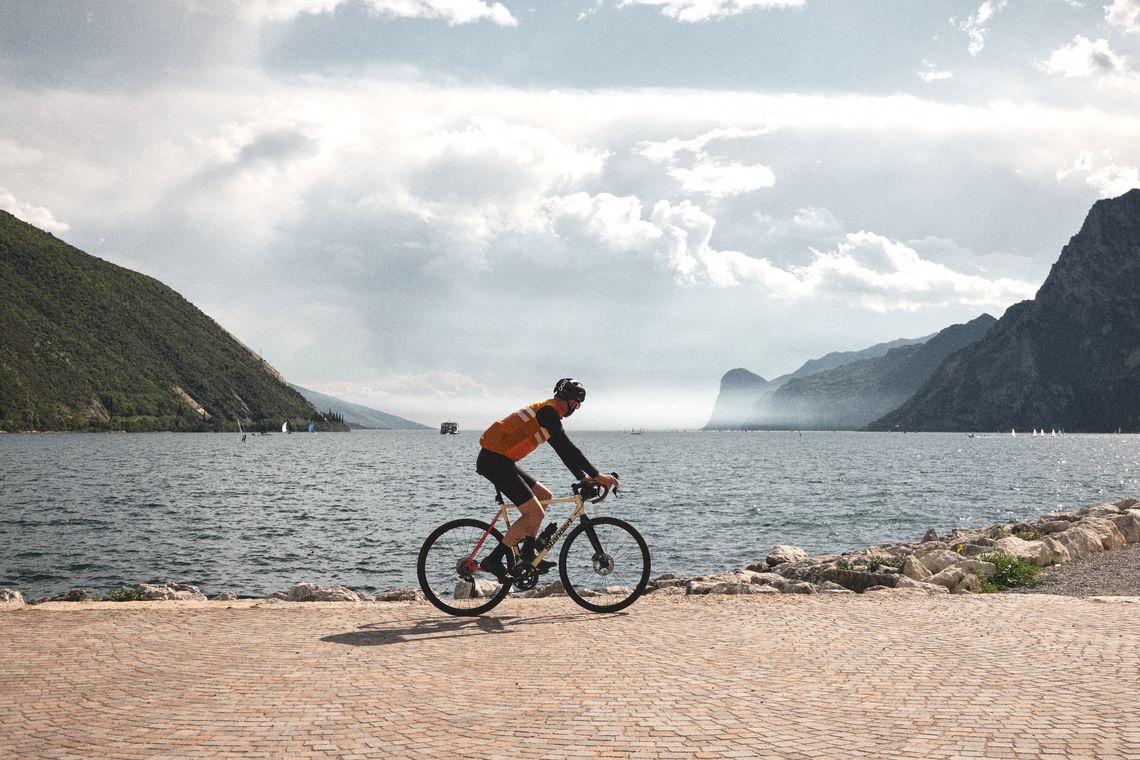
(510, 439)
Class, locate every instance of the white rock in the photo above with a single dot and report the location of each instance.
(1034, 551)
(1079, 541)
(1128, 523)
(968, 585)
(977, 567)
(402, 595)
(1059, 554)
(914, 569)
(553, 588)
(950, 577)
(939, 559)
(775, 580)
(910, 583)
(1110, 536)
(152, 592)
(11, 596)
(311, 592)
(783, 553)
(1099, 510)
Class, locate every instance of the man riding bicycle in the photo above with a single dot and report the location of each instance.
(510, 439)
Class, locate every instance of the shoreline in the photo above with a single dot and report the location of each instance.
(1093, 552)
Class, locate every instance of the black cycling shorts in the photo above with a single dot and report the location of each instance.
(507, 476)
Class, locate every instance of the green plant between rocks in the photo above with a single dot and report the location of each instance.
(122, 594)
(877, 564)
(1026, 533)
(1010, 572)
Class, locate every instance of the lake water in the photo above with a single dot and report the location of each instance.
(100, 511)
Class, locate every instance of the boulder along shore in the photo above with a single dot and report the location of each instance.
(1092, 552)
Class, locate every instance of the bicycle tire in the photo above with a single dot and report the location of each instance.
(438, 568)
(623, 566)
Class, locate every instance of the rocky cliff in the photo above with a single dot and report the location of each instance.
(1068, 359)
(739, 390)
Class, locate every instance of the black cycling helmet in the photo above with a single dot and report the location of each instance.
(569, 389)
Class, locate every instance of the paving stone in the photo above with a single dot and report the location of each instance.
(811, 677)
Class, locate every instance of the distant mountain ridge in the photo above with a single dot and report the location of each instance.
(855, 394)
(840, 390)
(88, 345)
(1068, 359)
(357, 415)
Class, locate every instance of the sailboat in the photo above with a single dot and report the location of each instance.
(285, 427)
(1013, 432)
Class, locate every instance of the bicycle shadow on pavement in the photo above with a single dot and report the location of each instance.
(380, 634)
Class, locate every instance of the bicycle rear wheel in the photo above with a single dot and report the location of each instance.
(449, 575)
(604, 564)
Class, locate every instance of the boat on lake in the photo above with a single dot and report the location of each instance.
(449, 428)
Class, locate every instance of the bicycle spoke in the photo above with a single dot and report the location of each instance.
(609, 579)
(443, 578)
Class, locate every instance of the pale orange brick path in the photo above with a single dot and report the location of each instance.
(784, 677)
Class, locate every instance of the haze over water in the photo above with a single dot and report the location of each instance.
(99, 511)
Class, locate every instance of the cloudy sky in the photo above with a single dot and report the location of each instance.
(438, 207)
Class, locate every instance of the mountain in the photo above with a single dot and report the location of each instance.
(745, 399)
(357, 416)
(739, 390)
(856, 394)
(1067, 359)
(87, 345)
(840, 358)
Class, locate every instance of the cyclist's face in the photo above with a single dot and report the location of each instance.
(572, 405)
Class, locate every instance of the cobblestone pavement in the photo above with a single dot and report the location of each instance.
(1009, 676)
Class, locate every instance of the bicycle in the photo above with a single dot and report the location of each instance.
(599, 550)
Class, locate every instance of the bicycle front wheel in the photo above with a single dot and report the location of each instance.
(604, 564)
(448, 572)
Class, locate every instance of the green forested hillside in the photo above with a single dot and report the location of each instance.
(87, 345)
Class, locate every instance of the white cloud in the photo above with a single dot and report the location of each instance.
(976, 25)
(452, 11)
(615, 221)
(931, 73)
(488, 176)
(699, 172)
(884, 275)
(1083, 58)
(865, 270)
(37, 216)
(818, 221)
(669, 150)
(720, 180)
(704, 10)
(1124, 14)
(1109, 179)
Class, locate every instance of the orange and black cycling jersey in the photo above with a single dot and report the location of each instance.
(520, 433)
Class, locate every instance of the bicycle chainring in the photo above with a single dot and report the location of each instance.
(525, 575)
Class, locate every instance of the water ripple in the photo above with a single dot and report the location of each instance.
(96, 511)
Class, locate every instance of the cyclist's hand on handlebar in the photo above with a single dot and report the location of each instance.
(607, 482)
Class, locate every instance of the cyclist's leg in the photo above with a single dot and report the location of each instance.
(515, 484)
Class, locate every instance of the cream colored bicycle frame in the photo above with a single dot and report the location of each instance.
(578, 511)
